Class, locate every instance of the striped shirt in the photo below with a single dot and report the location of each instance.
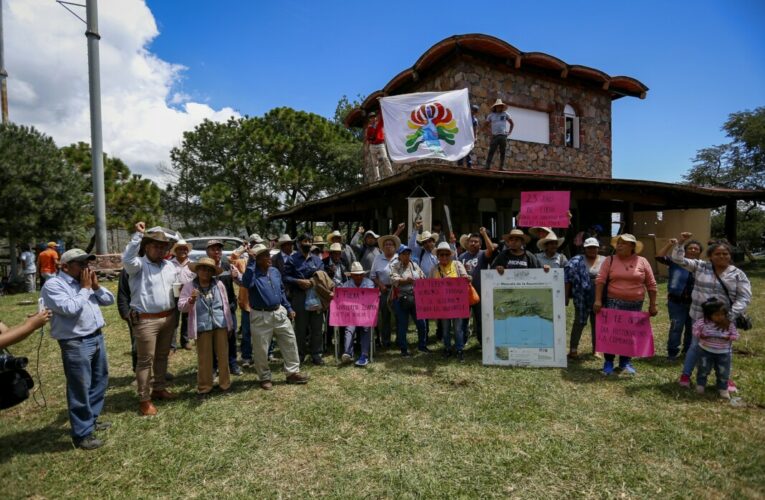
(713, 339)
(707, 285)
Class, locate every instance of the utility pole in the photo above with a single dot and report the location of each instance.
(96, 139)
(4, 104)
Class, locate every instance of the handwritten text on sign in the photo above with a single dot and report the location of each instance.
(545, 208)
(354, 307)
(627, 333)
(444, 298)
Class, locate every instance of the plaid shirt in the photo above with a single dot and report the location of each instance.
(707, 285)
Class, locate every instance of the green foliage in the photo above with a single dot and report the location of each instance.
(40, 192)
(345, 106)
(750, 226)
(129, 198)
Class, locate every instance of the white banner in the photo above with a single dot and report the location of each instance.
(428, 125)
(524, 318)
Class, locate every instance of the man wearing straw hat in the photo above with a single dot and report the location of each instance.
(348, 255)
(549, 254)
(515, 256)
(270, 315)
(380, 275)
(501, 127)
(152, 311)
(357, 280)
(286, 247)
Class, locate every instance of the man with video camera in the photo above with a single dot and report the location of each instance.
(15, 382)
(74, 296)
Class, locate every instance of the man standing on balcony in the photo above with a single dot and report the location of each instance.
(501, 127)
(379, 164)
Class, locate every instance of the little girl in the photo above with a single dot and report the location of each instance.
(716, 333)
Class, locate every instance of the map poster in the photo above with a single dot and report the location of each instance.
(524, 318)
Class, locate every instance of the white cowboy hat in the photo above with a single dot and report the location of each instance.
(550, 237)
(255, 238)
(336, 247)
(534, 231)
(464, 239)
(629, 238)
(285, 238)
(258, 249)
(392, 237)
(335, 234)
(498, 102)
(443, 247)
(181, 243)
(372, 234)
(517, 233)
(356, 269)
(425, 236)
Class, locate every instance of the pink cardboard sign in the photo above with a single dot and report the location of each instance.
(354, 307)
(627, 333)
(544, 208)
(444, 298)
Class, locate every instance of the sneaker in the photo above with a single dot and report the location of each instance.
(235, 369)
(246, 362)
(424, 350)
(685, 380)
(608, 368)
(346, 358)
(724, 394)
(629, 369)
(102, 425)
(363, 361)
(89, 443)
(700, 389)
(271, 358)
(732, 386)
(461, 356)
(405, 354)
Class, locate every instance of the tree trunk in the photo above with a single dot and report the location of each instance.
(13, 257)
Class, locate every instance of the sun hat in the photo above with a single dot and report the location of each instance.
(517, 233)
(464, 239)
(205, 262)
(371, 233)
(498, 102)
(550, 237)
(159, 236)
(76, 255)
(335, 234)
(443, 247)
(591, 242)
(629, 238)
(285, 238)
(255, 238)
(425, 236)
(181, 243)
(392, 237)
(336, 247)
(356, 268)
(318, 241)
(403, 248)
(52, 244)
(534, 231)
(258, 249)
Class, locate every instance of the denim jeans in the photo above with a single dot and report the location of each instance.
(403, 314)
(450, 326)
(679, 321)
(87, 377)
(365, 339)
(720, 363)
(246, 336)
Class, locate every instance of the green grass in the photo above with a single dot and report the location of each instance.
(402, 428)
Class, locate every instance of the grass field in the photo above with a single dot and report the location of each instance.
(419, 427)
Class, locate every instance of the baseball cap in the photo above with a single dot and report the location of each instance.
(75, 254)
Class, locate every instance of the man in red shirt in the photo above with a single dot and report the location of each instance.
(378, 161)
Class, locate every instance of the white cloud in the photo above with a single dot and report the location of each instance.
(144, 114)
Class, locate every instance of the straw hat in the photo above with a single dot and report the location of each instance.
(336, 247)
(629, 238)
(285, 238)
(318, 241)
(382, 239)
(205, 262)
(335, 234)
(425, 236)
(550, 237)
(258, 249)
(517, 233)
(356, 269)
(498, 102)
(464, 239)
(536, 230)
(181, 243)
(443, 247)
(159, 236)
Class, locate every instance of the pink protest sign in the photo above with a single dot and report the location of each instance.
(544, 208)
(627, 333)
(444, 298)
(354, 307)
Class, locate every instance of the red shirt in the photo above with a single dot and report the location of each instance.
(375, 133)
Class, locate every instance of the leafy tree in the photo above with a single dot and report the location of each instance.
(223, 179)
(313, 157)
(40, 192)
(739, 164)
(345, 106)
(128, 196)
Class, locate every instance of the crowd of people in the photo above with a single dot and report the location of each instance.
(285, 287)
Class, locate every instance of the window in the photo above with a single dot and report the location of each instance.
(571, 138)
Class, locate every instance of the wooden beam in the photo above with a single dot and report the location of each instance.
(518, 61)
(564, 73)
(629, 217)
(606, 84)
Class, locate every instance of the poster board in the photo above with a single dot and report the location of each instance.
(354, 307)
(441, 298)
(524, 318)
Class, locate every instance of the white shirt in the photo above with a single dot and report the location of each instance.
(151, 284)
(381, 269)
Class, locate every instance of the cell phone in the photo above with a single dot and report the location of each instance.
(40, 305)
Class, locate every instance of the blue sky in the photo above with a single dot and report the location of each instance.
(701, 60)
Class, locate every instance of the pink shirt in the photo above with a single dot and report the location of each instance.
(628, 279)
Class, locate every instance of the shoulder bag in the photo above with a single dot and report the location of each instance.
(743, 322)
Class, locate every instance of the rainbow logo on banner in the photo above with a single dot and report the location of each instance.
(432, 124)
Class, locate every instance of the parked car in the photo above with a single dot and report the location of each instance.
(199, 246)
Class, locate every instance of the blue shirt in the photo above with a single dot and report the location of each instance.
(265, 289)
(299, 267)
(75, 309)
(365, 283)
(209, 308)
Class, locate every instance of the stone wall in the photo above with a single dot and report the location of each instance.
(487, 81)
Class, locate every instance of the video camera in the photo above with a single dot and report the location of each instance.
(15, 382)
